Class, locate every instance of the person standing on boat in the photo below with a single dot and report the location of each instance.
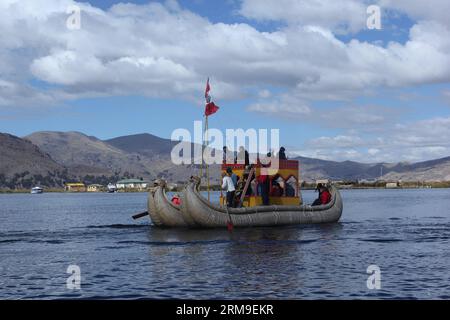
(233, 176)
(243, 156)
(224, 157)
(228, 156)
(282, 154)
(229, 186)
(264, 180)
(263, 188)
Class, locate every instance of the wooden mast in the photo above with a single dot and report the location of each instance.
(207, 165)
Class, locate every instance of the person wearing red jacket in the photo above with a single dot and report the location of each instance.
(324, 196)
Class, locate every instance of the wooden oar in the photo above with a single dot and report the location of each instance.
(140, 215)
(230, 222)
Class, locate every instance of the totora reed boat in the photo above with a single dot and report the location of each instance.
(260, 193)
(284, 209)
(208, 215)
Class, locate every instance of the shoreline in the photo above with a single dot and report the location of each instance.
(23, 191)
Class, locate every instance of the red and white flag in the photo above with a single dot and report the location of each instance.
(208, 88)
(210, 107)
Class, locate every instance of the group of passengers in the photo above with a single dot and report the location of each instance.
(235, 186)
(243, 157)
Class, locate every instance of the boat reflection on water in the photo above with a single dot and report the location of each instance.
(273, 261)
(293, 234)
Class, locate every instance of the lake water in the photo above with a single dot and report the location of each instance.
(404, 232)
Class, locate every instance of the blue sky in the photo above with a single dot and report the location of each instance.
(335, 89)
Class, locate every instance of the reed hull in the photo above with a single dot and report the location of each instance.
(167, 214)
(207, 215)
(152, 211)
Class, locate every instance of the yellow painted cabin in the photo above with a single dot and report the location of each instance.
(287, 177)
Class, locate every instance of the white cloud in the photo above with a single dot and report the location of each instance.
(341, 16)
(340, 141)
(284, 105)
(415, 141)
(344, 15)
(364, 117)
(264, 94)
(436, 10)
(159, 50)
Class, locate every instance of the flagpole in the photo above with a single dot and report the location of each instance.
(201, 166)
(207, 165)
(203, 137)
(207, 113)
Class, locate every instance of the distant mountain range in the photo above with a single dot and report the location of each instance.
(52, 158)
(434, 170)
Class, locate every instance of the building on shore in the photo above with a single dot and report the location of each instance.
(366, 181)
(322, 181)
(133, 184)
(75, 187)
(95, 188)
(393, 185)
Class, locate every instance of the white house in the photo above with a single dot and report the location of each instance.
(132, 184)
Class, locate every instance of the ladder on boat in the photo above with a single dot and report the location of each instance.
(247, 184)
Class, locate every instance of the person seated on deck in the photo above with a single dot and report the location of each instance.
(324, 195)
(281, 184)
(176, 199)
(290, 191)
(253, 186)
(276, 190)
(228, 185)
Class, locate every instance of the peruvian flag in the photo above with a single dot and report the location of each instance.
(210, 107)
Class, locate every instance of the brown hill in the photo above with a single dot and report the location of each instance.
(142, 155)
(23, 164)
